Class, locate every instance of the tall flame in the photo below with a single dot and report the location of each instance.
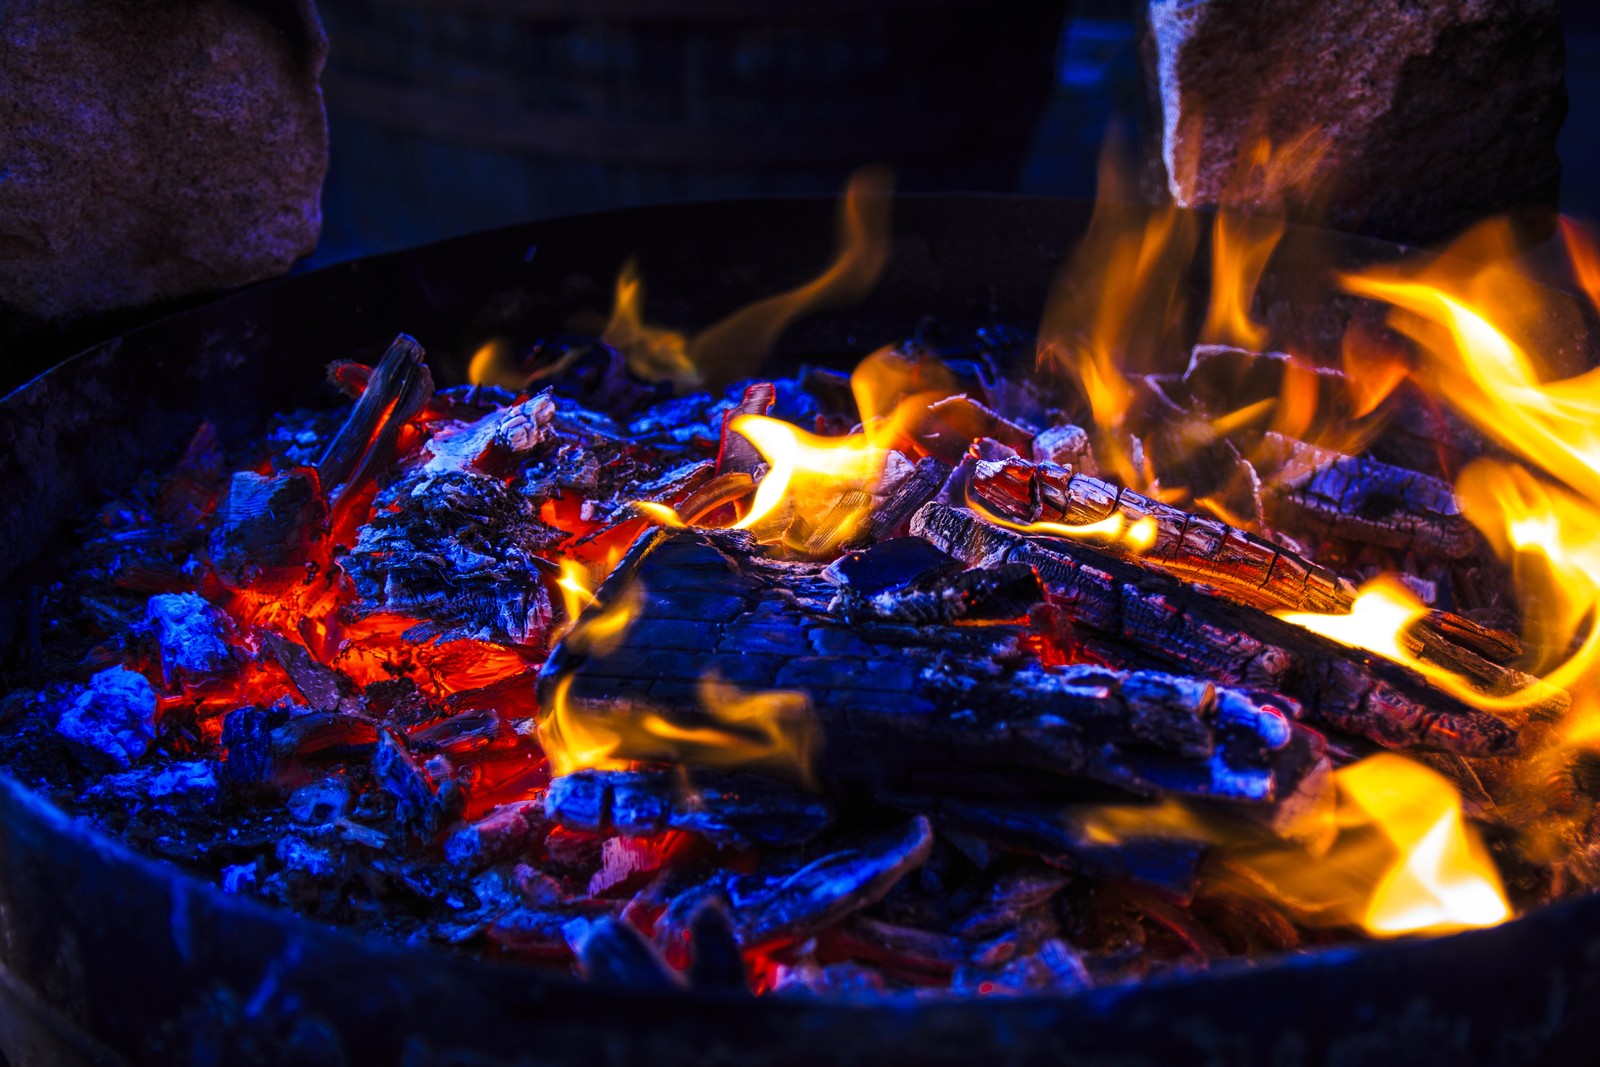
(1473, 316)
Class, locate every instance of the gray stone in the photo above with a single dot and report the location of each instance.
(1421, 116)
(152, 150)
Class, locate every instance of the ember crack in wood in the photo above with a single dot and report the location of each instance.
(1248, 568)
(1230, 643)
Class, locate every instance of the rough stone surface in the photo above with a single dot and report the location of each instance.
(1421, 116)
(152, 150)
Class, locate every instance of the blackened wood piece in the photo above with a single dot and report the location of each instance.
(890, 566)
(725, 488)
(1356, 498)
(1009, 899)
(323, 687)
(1182, 627)
(1239, 564)
(995, 593)
(1245, 567)
(737, 454)
(1186, 452)
(965, 708)
(920, 487)
(418, 807)
(400, 384)
(733, 810)
(830, 888)
(268, 528)
(1047, 830)
(506, 833)
(715, 960)
(612, 952)
(459, 552)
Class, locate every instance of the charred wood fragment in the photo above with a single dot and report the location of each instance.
(398, 387)
(729, 810)
(897, 704)
(612, 952)
(830, 888)
(1358, 498)
(269, 529)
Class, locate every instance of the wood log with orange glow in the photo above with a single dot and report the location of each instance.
(1177, 626)
(1053, 501)
(1047, 500)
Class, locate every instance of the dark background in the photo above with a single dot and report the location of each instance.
(1096, 86)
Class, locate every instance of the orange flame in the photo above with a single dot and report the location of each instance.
(1393, 853)
(1114, 305)
(1444, 879)
(1240, 248)
(653, 353)
(1138, 535)
(1473, 317)
(737, 344)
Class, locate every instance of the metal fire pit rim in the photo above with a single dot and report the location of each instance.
(1102, 999)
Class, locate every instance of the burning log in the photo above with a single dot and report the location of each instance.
(1131, 526)
(896, 705)
(1244, 567)
(1175, 624)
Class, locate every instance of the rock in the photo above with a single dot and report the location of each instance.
(156, 150)
(1422, 116)
(115, 714)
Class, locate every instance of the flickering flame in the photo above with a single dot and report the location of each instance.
(1392, 853)
(576, 587)
(1137, 535)
(1443, 879)
(1240, 248)
(1478, 323)
(653, 353)
(805, 469)
(772, 730)
(1382, 613)
(738, 343)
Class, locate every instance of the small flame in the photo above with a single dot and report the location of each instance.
(808, 472)
(653, 353)
(1391, 852)
(1380, 621)
(577, 589)
(738, 343)
(1115, 305)
(1138, 535)
(1444, 879)
(1382, 613)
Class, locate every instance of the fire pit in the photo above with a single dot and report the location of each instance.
(666, 748)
